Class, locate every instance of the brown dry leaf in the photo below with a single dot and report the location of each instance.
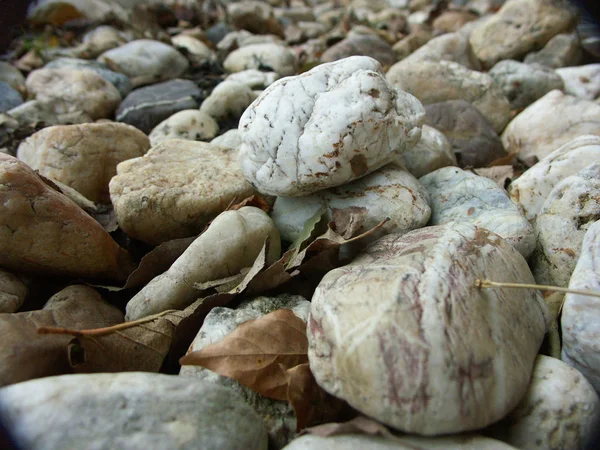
(255, 352)
(358, 425)
(349, 221)
(502, 175)
(254, 200)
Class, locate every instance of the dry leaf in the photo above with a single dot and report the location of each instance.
(349, 221)
(502, 175)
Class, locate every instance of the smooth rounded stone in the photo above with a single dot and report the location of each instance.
(100, 39)
(391, 19)
(12, 76)
(310, 30)
(59, 12)
(228, 100)
(279, 416)
(146, 107)
(231, 243)
(522, 83)
(570, 209)
(580, 320)
(560, 410)
(461, 196)
(253, 78)
(453, 20)
(432, 152)
(255, 16)
(197, 51)
(85, 156)
(357, 441)
(434, 82)
(229, 139)
(175, 189)
(410, 43)
(233, 40)
(145, 61)
(519, 27)
(118, 80)
(35, 112)
(326, 127)
(531, 189)
(9, 97)
(582, 81)
(12, 292)
(366, 44)
(550, 122)
(389, 192)
(269, 57)
(189, 124)
(73, 90)
(473, 139)
(402, 334)
(129, 411)
(563, 50)
(42, 231)
(300, 13)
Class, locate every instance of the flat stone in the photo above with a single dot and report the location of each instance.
(560, 410)
(228, 100)
(146, 107)
(12, 292)
(145, 61)
(279, 416)
(570, 209)
(12, 76)
(366, 44)
(461, 196)
(563, 50)
(402, 334)
(85, 156)
(9, 97)
(189, 124)
(229, 139)
(326, 127)
(129, 410)
(268, 56)
(550, 122)
(74, 90)
(434, 82)
(473, 139)
(531, 189)
(580, 320)
(522, 83)
(175, 189)
(582, 81)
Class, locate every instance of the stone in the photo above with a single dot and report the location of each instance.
(269, 57)
(232, 242)
(434, 82)
(461, 196)
(228, 101)
(118, 80)
(85, 156)
(519, 27)
(100, 39)
(295, 141)
(255, 16)
(432, 152)
(145, 61)
(523, 84)
(402, 334)
(12, 76)
(582, 81)
(473, 139)
(570, 209)
(43, 232)
(563, 50)
(253, 78)
(129, 411)
(197, 51)
(35, 113)
(189, 124)
(389, 19)
(366, 44)
(12, 292)
(531, 189)
(229, 139)
(218, 31)
(453, 20)
(146, 107)
(175, 189)
(560, 410)
(59, 12)
(279, 416)
(74, 90)
(9, 97)
(416, 39)
(389, 192)
(550, 122)
(580, 320)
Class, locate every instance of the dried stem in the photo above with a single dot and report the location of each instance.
(541, 287)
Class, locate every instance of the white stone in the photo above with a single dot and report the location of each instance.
(229, 139)
(433, 151)
(99, 40)
(531, 189)
(254, 78)
(404, 336)
(228, 100)
(198, 51)
(12, 292)
(189, 124)
(581, 81)
(326, 127)
(276, 57)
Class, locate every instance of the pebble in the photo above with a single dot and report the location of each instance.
(58, 12)
(9, 97)
(403, 336)
(189, 124)
(267, 56)
(453, 20)
(253, 78)
(12, 292)
(358, 45)
(197, 51)
(228, 101)
(433, 151)
(12, 76)
(254, 16)
(562, 50)
(411, 42)
(100, 39)
(229, 139)
(581, 81)
(35, 113)
(175, 189)
(112, 411)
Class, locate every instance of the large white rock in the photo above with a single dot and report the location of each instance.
(531, 189)
(461, 196)
(326, 127)
(580, 322)
(129, 411)
(274, 56)
(433, 151)
(404, 336)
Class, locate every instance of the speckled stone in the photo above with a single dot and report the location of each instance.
(433, 151)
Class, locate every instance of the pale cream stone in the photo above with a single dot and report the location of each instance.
(189, 124)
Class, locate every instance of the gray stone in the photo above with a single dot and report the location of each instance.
(9, 98)
(228, 101)
(432, 152)
(366, 44)
(129, 411)
(12, 292)
(563, 50)
(12, 76)
(146, 107)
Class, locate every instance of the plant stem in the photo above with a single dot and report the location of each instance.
(541, 287)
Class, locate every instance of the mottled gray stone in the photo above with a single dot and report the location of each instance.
(433, 151)
(563, 50)
(9, 98)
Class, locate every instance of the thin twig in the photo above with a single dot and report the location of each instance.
(541, 287)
